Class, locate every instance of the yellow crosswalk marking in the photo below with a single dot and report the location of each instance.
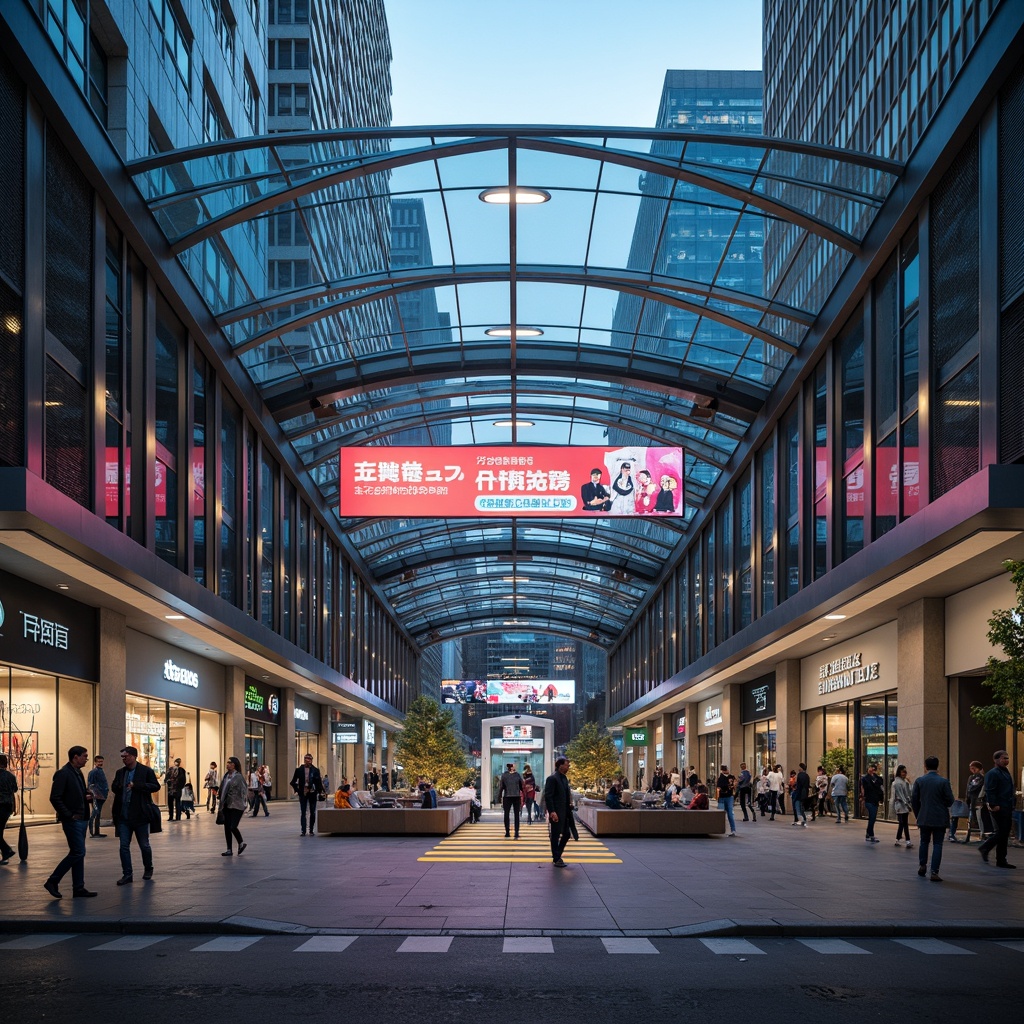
(482, 843)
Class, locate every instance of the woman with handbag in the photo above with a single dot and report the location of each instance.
(901, 805)
(234, 798)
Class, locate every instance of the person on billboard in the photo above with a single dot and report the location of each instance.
(550, 692)
(666, 496)
(623, 490)
(595, 495)
(646, 492)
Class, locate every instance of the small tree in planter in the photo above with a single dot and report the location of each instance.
(1006, 677)
(836, 758)
(592, 757)
(427, 745)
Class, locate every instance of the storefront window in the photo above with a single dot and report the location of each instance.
(255, 744)
(163, 731)
(877, 741)
(710, 757)
(43, 716)
(759, 745)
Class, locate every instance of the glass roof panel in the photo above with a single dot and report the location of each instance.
(354, 274)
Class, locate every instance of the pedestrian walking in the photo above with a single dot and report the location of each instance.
(174, 781)
(999, 796)
(133, 787)
(821, 790)
(71, 801)
(931, 799)
(872, 792)
(99, 789)
(901, 804)
(308, 784)
(510, 793)
(211, 783)
(975, 800)
(801, 791)
(745, 789)
(726, 799)
(257, 796)
(234, 798)
(775, 784)
(8, 805)
(558, 804)
(530, 795)
(268, 782)
(840, 786)
(763, 793)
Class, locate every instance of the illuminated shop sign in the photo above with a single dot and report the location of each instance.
(42, 630)
(369, 732)
(301, 714)
(577, 482)
(843, 672)
(136, 725)
(635, 737)
(176, 674)
(261, 703)
(344, 732)
(681, 726)
(713, 714)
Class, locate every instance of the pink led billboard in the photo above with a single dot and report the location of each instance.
(583, 482)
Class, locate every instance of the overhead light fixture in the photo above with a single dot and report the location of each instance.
(174, 617)
(515, 579)
(501, 195)
(63, 586)
(835, 617)
(514, 423)
(12, 324)
(519, 330)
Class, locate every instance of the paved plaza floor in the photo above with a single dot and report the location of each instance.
(771, 879)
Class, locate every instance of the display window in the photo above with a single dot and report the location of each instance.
(163, 731)
(41, 716)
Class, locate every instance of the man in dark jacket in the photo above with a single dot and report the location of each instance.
(309, 784)
(71, 801)
(133, 787)
(558, 804)
(872, 792)
(999, 797)
(510, 793)
(800, 791)
(931, 799)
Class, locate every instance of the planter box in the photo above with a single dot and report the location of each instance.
(603, 821)
(392, 821)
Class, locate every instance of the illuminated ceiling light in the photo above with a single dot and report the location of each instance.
(962, 403)
(515, 579)
(63, 586)
(520, 332)
(174, 617)
(12, 324)
(524, 196)
(835, 617)
(514, 423)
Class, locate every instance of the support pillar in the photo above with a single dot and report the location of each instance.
(923, 712)
(789, 734)
(287, 754)
(234, 717)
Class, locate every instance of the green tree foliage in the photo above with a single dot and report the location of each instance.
(1006, 678)
(835, 758)
(428, 745)
(592, 757)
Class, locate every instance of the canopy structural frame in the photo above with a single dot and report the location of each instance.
(355, 276)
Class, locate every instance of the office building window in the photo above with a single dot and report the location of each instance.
(224, 26)
(177, 45)
(851, 383)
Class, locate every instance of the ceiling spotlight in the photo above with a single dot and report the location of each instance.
(63, 586)
(513, 423)
(174, 617)
(520, 332)
(835, 617)
(500, 196)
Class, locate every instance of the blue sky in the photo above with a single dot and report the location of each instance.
(559, 61)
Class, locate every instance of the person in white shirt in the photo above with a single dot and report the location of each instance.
(775, 792)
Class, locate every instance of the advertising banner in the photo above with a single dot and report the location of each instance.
(531, 691)
(581, 482)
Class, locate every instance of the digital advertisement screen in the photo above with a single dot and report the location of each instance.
(583, 482)
(508, 691)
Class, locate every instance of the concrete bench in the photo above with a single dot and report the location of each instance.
(392, 821)
(604, 821)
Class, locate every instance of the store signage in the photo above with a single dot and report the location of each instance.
(261, 703)
(523, 743)
(369, 732)
(42, 630)
(136, 725)
(515, 480)
(713, 714)
(757, 700)
(681, 726)
(635, 737)
(847, 671)
(176, 674)
(301, 714)
(344, 732)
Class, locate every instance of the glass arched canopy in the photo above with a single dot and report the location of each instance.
(509, 285)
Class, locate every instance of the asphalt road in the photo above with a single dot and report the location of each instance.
(197, 979)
